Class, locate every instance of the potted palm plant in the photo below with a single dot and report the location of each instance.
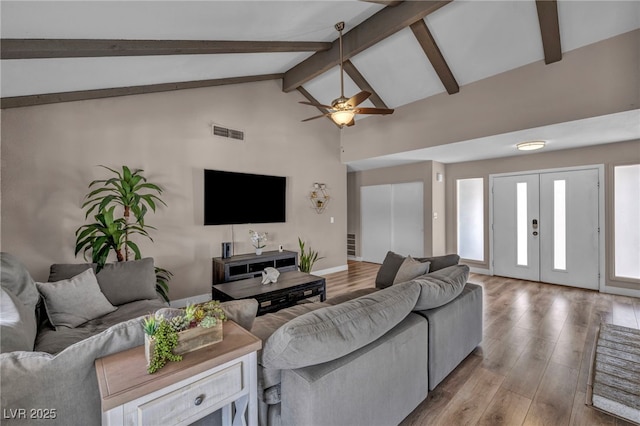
(130, 191)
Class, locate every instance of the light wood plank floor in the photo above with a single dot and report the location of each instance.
(533, 364)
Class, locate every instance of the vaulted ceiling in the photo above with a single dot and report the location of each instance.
(401, 51)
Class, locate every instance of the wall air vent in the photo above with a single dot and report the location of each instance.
(224, 132)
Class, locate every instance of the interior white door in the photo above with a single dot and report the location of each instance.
(407, 216)
(375, 222)
(515, 227)
(569, 214)
(391, 218)
(546, 227)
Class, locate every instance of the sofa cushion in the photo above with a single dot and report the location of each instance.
(410, 269)
(389, 269)
(75, 301)
(334, 331)
(15, 278)
(441, 287)
(121, 282)
(52, 341)
(440, 262)
(17, 324)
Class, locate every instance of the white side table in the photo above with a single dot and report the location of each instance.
(182, 392)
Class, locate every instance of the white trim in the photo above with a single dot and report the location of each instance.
(621, 291)
(331, 270)
(181, 303)
(356, 258)
(601, 211)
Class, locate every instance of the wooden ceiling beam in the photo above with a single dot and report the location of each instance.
(428, 44)
(550, 30)
(363, 84)
(78, 48)
(50, 98)
(386, 22)
(389, 3)
(310, 98)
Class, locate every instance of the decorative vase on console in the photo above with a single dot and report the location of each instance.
(258, 239)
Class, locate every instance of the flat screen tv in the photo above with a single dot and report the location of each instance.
(235, 198)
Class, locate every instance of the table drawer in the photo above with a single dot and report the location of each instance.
(192, 399)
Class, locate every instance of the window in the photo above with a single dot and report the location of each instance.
(522, 241)
(627, 226)
(470, 217)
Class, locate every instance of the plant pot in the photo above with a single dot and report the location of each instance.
(188, 340)
(258, 251)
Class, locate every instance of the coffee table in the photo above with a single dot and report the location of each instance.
(292, 287)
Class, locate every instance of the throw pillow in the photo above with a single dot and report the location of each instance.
(441, 287)
(388, 270)
(124, 282)
(64, 271)
(75, 301)
(410, 269)
(15, 278)
(440, 262)
(17, 323)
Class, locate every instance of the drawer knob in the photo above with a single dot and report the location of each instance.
(198, 399)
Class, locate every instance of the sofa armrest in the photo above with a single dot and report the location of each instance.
(66, 382)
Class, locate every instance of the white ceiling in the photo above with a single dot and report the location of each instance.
(477, 38)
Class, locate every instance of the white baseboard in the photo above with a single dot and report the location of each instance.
(181, 303)
(479, 271)
(621, 291)
(356, 258)
(331, 270)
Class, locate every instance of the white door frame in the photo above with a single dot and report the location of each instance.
(601, 208)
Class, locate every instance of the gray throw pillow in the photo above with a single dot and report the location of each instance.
(16, 279)
(441, 287)
(243, 312)
(388, 270)
(440, 262)
(410, 269)
(64, 271)
(17, 323)
(335, 331)
(124, 282)
(75, 301)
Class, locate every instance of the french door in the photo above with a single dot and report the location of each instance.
(546, 227)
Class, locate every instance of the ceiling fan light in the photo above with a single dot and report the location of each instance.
(530, 145)
(342, 117)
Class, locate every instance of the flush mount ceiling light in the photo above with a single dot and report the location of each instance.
(530, 145)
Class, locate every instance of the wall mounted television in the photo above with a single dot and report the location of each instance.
(232, 198)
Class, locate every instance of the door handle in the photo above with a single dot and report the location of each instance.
(534, 223)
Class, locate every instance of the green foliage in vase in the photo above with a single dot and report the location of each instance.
(166, 339)
(208, 322)
(150, 325)
(307, 257)
(213, 309)
(130, 191)
(179, 323)
(190, 312)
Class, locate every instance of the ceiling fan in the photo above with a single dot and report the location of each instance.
(343, 110)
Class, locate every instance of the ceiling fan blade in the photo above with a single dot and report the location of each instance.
(317, 116)
(358, 98)
(314, 104)
(373, 111)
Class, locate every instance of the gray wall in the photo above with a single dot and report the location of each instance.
(50, 153)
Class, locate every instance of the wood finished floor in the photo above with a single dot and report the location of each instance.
(533, 364)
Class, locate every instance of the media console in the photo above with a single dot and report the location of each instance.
(251, 265)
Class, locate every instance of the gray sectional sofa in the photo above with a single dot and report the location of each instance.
(371, 356)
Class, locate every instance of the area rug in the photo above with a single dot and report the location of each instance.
(614, 381)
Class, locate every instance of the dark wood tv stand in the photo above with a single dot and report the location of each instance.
(251, 265)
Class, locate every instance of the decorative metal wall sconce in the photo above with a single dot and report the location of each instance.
(319, 197)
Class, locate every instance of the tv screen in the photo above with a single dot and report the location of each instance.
(235, 198)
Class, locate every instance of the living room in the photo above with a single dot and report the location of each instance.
(50, 152)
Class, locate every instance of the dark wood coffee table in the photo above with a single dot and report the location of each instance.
(292, 287)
